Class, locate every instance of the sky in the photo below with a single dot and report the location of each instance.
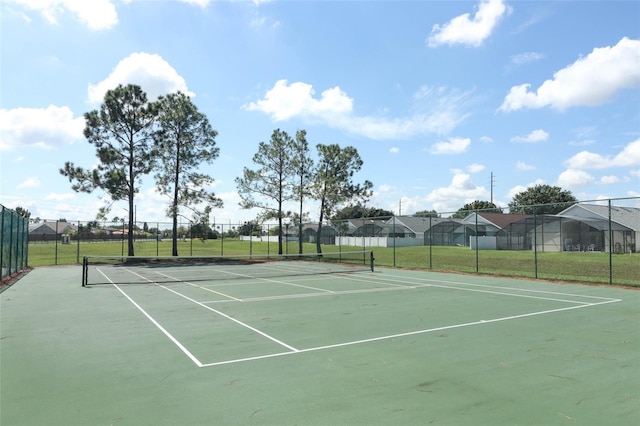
(447, 102)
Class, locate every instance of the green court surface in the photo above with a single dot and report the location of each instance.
(390, 347)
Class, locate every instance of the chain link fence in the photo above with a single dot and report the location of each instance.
(14, 231)
(591, 241)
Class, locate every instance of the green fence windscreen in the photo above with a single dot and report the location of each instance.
(14, 239)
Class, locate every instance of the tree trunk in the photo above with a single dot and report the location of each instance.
(131, 212)
(300, 220)
(319, 233)
(174, 240)
(131, 227)
(176, 189)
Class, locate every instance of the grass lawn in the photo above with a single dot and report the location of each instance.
(586, 267)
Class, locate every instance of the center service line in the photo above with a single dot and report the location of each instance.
(222, 314)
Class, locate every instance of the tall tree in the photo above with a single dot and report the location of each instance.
(334, 184)
(184, 141)
(21, 211)
(483, 206)
(542, 199)
(304, 174)
(271, 182)
(121, 132)
(358, 210)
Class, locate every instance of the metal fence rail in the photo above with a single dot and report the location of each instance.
(14, 239)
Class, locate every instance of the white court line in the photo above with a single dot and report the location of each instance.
(251, 277)
(336, 293)
(222, 314)
(410, 333)
(373, 278)
(392, 287)
(161, 328)
(442, 284)
(200, 287)
(293, 350)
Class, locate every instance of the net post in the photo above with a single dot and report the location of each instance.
(84, 271)
(371, 259)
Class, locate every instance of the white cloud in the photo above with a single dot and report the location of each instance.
(584, 136)
(470, 31)
(30, 182)
(284, 101)
(438, 111)
(520, 188)
(521, 165)
(533, 137)
(583, 142)
(47, 128)
(628, 157)
(394, 150)
(451, 146)
(475, 168)
(635, 173)
(95, 14)
(526, 57)
(486, 139)
(611, 179)
(54, 196)
(461, 191)
(589, 81)
(150, 71)
(385, 188)
(202, 3)
(573, 179)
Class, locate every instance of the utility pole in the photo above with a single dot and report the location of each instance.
(491, 187)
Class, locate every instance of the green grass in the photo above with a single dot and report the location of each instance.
(565, 266)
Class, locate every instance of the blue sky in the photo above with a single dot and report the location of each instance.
(435, 95)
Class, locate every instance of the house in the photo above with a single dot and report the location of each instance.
(49, 230)
(591, 227)
(435, 231)
(582, 227)
(499, 231)
(310, 233)
(404, 231)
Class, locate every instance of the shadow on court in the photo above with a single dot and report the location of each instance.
(386, 347)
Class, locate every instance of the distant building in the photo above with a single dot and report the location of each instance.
(49, 231)
(585, 227)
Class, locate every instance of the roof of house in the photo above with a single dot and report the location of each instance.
(628, 217)
(51, 227)
(420, 224)
(499, 220)
(503, 220)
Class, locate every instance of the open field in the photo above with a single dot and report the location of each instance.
(567, 266)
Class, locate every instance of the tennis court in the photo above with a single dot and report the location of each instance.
(297, 343)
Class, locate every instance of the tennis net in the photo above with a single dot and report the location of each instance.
(167, 269)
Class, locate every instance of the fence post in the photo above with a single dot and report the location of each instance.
(394, 241)
(477, 248)
(10, 263)
(430, 243)
(535, 246)
(222, 239)
(610, 246)
(78, 235)
(2, 241)
(24, 235)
